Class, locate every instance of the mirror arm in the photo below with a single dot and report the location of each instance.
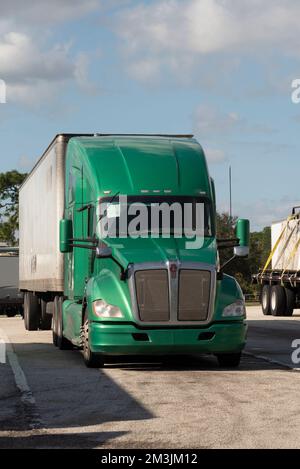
(84, 240)
(228, 262)
(228, 243)
(124, 272)
(85, 207)
(84, 246)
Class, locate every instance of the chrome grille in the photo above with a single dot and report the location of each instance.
(172, 293)
(194, 295)
(152, 295)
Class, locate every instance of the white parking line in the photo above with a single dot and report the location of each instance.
(27, 397)
(270, 360)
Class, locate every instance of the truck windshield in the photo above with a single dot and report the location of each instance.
(154, 215)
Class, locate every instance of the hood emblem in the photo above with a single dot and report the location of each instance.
(173, 270)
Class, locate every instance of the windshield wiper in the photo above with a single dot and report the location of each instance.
(109, 203)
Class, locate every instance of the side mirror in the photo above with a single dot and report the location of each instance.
(243, 234)
(65, 235)
(103, 251)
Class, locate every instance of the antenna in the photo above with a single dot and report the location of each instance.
(230, 192)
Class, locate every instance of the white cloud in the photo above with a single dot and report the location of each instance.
(35, 73)
(144, 70)
(22, 59)
(25, 163)
(43, 11)
(172, 30)
(215, 155)
(36, 69)
(263, 212)
(215, 129)
(81, 75)
(210, 123)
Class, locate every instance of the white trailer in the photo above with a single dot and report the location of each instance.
(285, 243)
(279, 279)
(41, 206)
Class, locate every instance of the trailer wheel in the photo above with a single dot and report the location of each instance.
(265, 300)
(229, 360)
(46, 319)
(91, 359)
(11, 313)
(31, 311)
(278, 300)
(290, 301)
(61, 342)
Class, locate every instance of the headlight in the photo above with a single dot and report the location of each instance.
(105, 310)
(235, 309)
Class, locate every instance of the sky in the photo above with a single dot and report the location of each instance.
(220, 69)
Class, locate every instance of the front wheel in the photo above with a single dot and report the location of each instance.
(91, 359)
(229, 360)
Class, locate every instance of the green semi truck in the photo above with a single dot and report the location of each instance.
(124, 292)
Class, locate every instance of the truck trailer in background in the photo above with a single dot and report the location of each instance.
(122, 296)
(11, 300)
(279, 279)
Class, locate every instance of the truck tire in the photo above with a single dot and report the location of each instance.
(290, 301)
(11, 313)
(229, 360)
(265, 300)
(91, 359)
(62, 343)
(278, 300)
(46, 319)
(31, 311)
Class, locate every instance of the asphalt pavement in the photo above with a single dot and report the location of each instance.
(49, 399)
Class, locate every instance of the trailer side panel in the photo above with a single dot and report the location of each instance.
(41, 208)
(287, 253)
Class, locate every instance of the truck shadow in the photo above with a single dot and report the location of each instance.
(58, 440)
(186, 363)
(67, 394)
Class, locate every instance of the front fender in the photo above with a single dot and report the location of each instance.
(107, 286)
(228, 291)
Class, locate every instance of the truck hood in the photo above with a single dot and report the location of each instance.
(140, 250)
